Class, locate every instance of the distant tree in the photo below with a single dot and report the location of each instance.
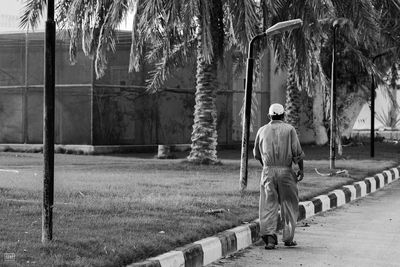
(388, 58)
(364, 50)
(366, 27)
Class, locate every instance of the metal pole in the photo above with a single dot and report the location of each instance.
(92, 102)
(48, 125)
(25, 97)
(247, 112)
(333, 104)
(372, 135)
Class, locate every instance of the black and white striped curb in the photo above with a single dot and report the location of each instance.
(210, 249)
(347, 193)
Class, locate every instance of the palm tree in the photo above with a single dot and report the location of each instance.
(204, 135)
(362, 40)
(171, 31)
(206, 26)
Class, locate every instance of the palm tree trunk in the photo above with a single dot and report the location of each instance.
(204, 134)
(321, 134)
(292, 106)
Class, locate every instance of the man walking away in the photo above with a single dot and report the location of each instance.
(277, 146)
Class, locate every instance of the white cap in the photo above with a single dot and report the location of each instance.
(276, 109)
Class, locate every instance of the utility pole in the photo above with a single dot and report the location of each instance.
(48, 125)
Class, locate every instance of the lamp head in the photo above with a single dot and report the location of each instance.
(339, 22)
(284, 26)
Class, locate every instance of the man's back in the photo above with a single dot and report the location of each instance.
(277, 144)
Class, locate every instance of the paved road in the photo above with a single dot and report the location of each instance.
(365, 232)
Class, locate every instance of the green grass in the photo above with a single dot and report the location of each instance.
(117, 209)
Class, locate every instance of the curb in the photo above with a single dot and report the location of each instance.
(208, 250)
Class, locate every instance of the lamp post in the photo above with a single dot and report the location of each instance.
(48, 125)
(332, 155)
(372, 130)
(275, 29)
(337, 23)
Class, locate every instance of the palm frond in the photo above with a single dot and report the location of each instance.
(205, 38)
(150, 12)
(389, 23)
(73, 14)
(87, 31)
(115, 12)
(136, 44)
(106, 38)
(170, 60)
(384, 118)
(244, 22)
(32, 13)
(302, 43)
(73, 44)
(361, 20)
(365, 18)
(61, 9)
(239, 62)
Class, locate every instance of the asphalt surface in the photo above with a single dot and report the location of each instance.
(365, 232)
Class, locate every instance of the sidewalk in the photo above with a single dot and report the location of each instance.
(362, 233)
(210, 249)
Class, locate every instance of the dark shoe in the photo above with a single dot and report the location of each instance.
(270, 241)
(270, 246)
(290, 243)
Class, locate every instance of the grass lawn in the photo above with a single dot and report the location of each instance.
(118, 209)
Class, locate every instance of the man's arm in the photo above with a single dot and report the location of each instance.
(300, 173)
(298, 155)
(256, 149)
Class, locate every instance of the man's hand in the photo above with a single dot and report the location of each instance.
(300, 175)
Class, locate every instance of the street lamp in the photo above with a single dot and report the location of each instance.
(372, 130)
(275, 29)
(336, 24)
(333, 101)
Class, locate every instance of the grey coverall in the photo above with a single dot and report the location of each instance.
(278, 146)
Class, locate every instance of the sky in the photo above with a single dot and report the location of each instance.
(10, 13)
